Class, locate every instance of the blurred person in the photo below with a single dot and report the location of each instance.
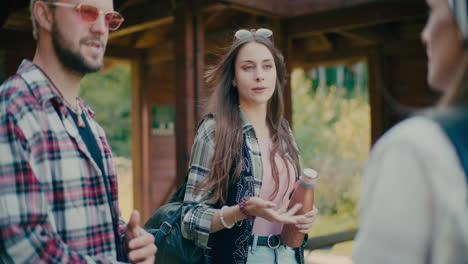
(58, 184)
(244, 160)
(414, 196)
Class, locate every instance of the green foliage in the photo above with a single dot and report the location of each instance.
(109, 95)
(333, 133)
(351, 78)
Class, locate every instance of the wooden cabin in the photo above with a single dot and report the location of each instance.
(169, 43)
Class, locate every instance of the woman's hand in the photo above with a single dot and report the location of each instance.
(305, 223)
(258, 207)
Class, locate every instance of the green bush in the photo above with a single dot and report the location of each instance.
(332, 130)
(109, 95)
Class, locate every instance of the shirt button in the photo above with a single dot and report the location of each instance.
(102, 208)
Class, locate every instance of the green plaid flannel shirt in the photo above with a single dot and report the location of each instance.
(198, 211)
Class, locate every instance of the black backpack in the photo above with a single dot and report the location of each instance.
(165, 223)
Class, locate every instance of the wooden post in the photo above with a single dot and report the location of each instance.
(375, 93)
(283, 43)
(189, 53)
(199, 66)
(140, 138)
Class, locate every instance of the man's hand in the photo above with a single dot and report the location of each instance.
(140, 244)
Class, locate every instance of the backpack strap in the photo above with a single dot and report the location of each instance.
(454, 122)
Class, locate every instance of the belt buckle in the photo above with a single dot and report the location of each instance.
(162, 229)
(268, 241)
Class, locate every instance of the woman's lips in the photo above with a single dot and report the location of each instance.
(259, 89)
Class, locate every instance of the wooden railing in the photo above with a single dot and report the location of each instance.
(330, 240)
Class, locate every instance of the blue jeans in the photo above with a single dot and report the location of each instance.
(265, 255)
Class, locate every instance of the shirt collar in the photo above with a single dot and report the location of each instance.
(246, 125)
(41, 87)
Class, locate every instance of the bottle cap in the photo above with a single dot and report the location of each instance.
(310, 173)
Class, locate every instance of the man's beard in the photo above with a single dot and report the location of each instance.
(73, 61)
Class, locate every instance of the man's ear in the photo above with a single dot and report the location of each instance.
(43, 15)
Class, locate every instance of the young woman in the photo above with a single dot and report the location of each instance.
(414, 200)
(244, 160)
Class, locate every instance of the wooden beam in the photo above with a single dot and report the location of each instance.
(313, 43)
(19, 20)
(333, 57)
(4, 13)
(121, 5)
(330, 240)
(378, 12)
(144, 16)
(411, 29)
(214, 17)
(370, 35)
(140, 17)
(10, 7)
(303, 7)
(155, 36)
(411, 47)
(123, 52)
(137, 27)
(260, 7)
(211, 8)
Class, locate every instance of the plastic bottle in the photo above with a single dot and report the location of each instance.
(303, 193)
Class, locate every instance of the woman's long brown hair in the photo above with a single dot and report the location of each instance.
(224, 104)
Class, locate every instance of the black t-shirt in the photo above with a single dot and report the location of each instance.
(88, 137)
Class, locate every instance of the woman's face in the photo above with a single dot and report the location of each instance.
(444, 45)
(255, 74)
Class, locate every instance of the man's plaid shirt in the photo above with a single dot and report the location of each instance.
(54, 206)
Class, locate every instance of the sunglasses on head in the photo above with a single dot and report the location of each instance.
(90, 13)
(244, 33)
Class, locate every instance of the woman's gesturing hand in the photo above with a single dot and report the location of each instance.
(258, 207)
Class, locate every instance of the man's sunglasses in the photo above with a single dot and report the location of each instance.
(244, 33)
(91, 13)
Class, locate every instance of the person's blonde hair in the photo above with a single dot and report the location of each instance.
(35, 26)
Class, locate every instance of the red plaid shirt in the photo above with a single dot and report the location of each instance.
(54, 203)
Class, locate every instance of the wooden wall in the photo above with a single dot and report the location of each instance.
(162, 148)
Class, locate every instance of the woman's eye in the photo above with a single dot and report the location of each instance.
(268, 66)
(250, 67)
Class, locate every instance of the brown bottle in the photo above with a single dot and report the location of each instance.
(303, 193)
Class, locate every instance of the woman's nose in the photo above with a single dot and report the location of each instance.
(260, 75)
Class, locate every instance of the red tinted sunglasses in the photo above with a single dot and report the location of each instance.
(91, 13)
